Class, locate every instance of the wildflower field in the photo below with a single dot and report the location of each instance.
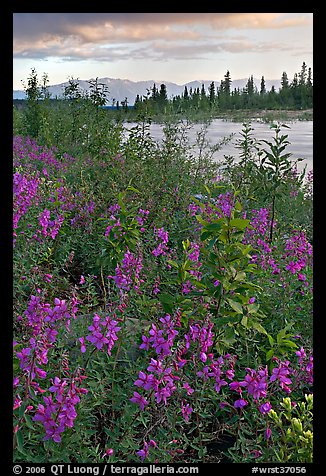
(162, 301)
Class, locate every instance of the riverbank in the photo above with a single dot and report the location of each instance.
(230, 115)
(266, 115)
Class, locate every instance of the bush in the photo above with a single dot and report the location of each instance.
(159, 306)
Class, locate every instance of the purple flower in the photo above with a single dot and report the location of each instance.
(188, 388)
(108, 452)
(265, 408)
(229, 374)
(186, 411)
(155, 366)
(219, 384)
(163, 393)
(83, 346)
(144, 380)
(268, 433)
(143, 453)
(256, 453)
(98, 339)
(301, 354)
(256, 383)
(235, 386)
(240, 403)
(141, 401)
(281, 373)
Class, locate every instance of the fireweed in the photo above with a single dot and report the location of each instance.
(179, 377)
(169, 379)
(44, 323)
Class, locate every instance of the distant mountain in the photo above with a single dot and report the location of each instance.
(120, 89)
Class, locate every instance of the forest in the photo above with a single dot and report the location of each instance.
(296, 94)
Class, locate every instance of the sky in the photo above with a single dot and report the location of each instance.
(176, 47)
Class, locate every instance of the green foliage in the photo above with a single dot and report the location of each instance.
(293, 436)
(125, 193)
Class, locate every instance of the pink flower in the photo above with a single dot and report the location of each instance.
(268, 433)
(137, 398)
(186, 411)
(188, 388)
(108, 452)
(256, 453)
(265, 408)
(83, 346)
(240, 403)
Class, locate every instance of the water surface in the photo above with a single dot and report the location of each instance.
(300, 136)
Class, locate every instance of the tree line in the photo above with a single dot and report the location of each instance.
(292, 95)
(296, 94)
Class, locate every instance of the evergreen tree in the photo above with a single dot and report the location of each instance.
(124, 104)
(138, 102)
(154, 92)
(309, 87)
(309, 78)
(162, 95)
(262, 86)
(195, 99)
(285, 93)
(250, 87)
(185, 93)
(272, 98)
(227, 83)
(303, 75)
(284, 81)
(162, 98)
(211, 92)
(295, 82)
(204, 104)
(225, 91)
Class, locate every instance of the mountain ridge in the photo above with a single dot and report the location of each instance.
(122, 88)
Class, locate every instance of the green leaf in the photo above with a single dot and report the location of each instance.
(289, 343)
(132, 189)
(167, 302)
(201, 220)
(239, 223)
(244, 321)
(29, 423)
(256, 325)
(207, 190)
(238, 206)
(269, 354)
(20, 440)
(205, 235)
(240, 276)
(236, 306)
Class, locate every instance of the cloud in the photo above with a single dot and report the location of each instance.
(97, 26)
(116, 36)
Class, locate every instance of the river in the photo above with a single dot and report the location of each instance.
(300, 136)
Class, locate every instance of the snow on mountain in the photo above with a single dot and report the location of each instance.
(120, 89)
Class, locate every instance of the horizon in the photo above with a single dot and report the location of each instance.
(156, 81)
(178, 47)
